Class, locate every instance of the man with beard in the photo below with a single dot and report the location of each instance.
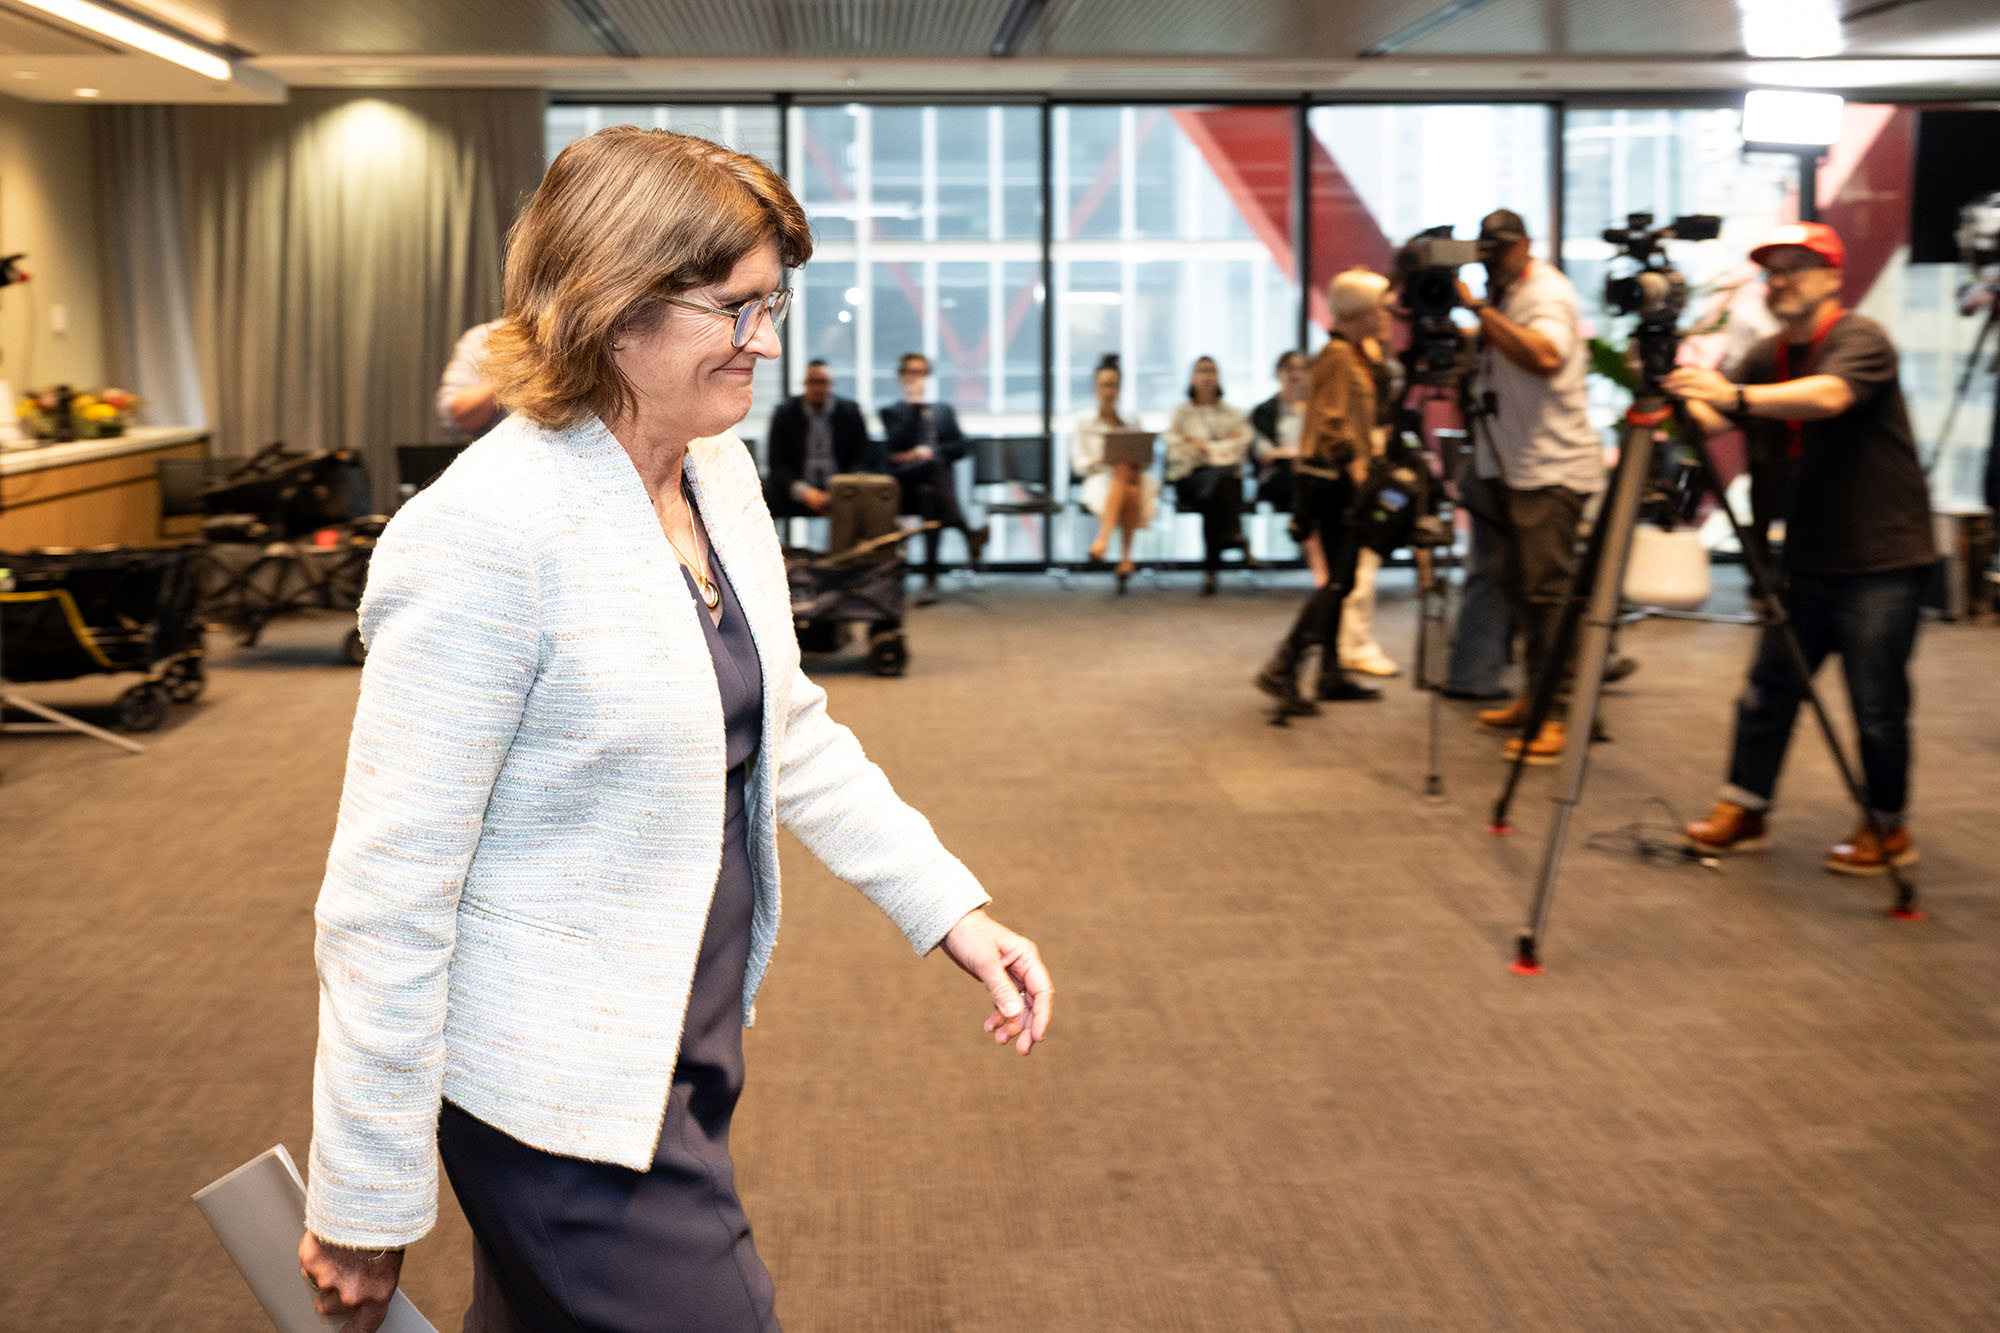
(1858, 543)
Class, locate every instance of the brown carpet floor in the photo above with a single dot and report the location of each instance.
(1291, 1084)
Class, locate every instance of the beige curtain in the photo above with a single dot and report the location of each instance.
(335, 249)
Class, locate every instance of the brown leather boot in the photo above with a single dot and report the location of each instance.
(1546, 748)
(1506, 718)
(1729, 828)
(1862, 855)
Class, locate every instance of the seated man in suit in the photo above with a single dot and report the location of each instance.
(813, 437)
(924, 440)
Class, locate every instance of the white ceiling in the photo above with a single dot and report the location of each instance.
(1938, 48)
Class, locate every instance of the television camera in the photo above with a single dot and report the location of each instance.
(1655, 291)
(1427, 271)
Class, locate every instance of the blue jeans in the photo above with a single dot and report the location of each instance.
(1871, 621)
(1485, 618)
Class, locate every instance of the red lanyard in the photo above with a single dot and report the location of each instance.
(1795, 431)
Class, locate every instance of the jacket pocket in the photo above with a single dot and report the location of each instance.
(479, 908)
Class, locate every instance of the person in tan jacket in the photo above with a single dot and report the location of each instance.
(1335, 444)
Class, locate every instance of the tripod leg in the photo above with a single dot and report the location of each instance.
(1766, 588)
(1611, 542)
(1549, 680)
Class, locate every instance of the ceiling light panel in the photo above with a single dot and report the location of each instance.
(1185, 27)
(802, 29)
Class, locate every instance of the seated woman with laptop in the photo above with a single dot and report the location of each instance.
(1114, 457)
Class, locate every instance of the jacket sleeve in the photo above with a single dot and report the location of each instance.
(1183, 455)
(841, 806)
(450, 618)
(784, 448)
(464, 371)
(952, 444)
(899, 428)
(853, 448)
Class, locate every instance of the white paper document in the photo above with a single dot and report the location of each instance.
(258, 1212)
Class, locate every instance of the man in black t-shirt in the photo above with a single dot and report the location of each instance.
(1858, 548)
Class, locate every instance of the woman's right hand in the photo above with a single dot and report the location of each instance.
(350, 1282)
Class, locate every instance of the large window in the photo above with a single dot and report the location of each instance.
(1669, 163)
(1172, 240)
(928, 221)
(1381, 174)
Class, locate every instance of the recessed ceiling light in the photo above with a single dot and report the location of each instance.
(86, 92)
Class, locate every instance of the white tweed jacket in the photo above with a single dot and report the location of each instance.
(531, 825)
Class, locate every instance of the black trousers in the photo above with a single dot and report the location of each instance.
(1536, 560)
(928, 493)
(1217, 494)
(1321, 509)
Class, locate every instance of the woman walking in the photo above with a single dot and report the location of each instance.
(1336, 443)
(553, 888)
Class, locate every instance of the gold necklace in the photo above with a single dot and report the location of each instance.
(711, 596)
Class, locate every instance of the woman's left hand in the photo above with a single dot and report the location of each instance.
(1010, 967)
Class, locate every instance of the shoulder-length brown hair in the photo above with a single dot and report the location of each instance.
(624, 218)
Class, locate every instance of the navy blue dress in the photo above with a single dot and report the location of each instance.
(562, 1244)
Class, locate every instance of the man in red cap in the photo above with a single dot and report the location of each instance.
(1858, 545)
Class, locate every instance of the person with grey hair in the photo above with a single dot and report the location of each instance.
(1336, 443)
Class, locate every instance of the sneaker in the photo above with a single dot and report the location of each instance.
(1728, 828)
(1376, 664)
(1618, 668)
(1509, 718)
(928, 594)
(1546, 748)
(1861, 855)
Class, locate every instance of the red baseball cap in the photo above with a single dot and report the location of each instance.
(1817, 237)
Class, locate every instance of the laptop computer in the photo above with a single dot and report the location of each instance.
(1130, 446)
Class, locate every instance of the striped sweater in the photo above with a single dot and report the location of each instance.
(531, 825)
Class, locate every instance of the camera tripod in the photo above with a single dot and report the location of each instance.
(1601, 572)
(1964, 387)
(1460, 473)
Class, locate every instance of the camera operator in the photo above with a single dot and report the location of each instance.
(1979, 242)
(1541, 460)
(1858, 542)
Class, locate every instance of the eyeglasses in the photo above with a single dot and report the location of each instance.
(745, 315)
(1791, 268)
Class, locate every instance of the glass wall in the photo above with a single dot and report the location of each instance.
(1381, 174)
(928, 228)
(1669, 163)
(1173, 235)
(1172, 240)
